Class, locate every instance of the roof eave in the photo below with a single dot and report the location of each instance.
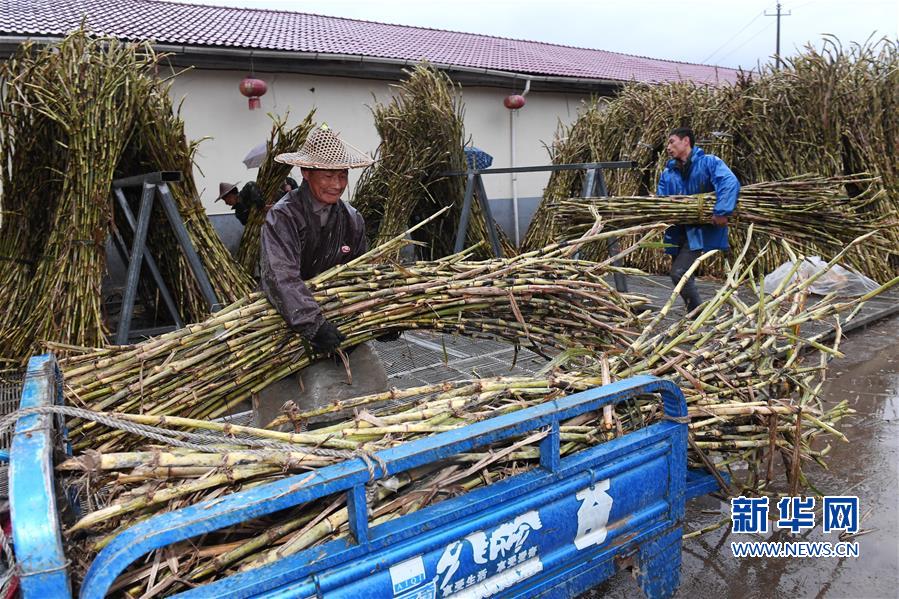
(372, 67)
(345, 65)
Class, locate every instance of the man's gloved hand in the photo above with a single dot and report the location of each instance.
(391, 336)
(327, 339)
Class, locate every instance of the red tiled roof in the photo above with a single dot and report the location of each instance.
(214, 26)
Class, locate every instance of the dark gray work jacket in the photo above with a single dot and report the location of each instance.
(295, 247)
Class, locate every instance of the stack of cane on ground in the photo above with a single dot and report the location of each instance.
(422, 140)
(750, 376)
(61, 153)
(827, 112)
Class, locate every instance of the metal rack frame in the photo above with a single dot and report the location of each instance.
(594, 186)
(154, 185)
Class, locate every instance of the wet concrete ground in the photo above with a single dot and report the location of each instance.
(868, 377)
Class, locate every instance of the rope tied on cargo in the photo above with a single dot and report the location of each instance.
(60, 568)
(677, 419)
(201, 442)
(700, 204)
(12, 567)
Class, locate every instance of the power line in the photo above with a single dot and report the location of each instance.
(760, 31)
(733, 37)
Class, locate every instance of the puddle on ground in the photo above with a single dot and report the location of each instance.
(890, 411)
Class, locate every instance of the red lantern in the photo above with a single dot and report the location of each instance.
(514, 102)
(253, 88)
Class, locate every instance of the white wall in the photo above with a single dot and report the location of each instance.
(214, 108)
(487, 122)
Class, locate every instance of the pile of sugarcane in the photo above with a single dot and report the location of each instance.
(61, 151)
(812, 213)
(141, 483)
(269, 180)
(830, 112)
(30, 163)
(750, 376)
(422, 138)
(93, 125)
(544, 299)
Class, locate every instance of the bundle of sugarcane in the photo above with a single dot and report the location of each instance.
(95, 123)
(752, 395)
(795, 119)
(60, 156)
(813, 213)
(572, 144)
(159, 144)
(868, 121)
(543, 299)
(30, 162)
(269, 181)
(870, 127)
(422, 138)
(828, 111)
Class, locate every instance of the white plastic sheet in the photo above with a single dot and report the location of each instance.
(840, 280)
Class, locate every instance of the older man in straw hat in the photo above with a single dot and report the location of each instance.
(306, 232)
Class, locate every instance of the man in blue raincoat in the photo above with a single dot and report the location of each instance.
(691, 171)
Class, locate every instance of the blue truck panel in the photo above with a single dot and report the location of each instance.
(37, 535)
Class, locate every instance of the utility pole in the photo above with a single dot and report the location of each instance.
(778, 14)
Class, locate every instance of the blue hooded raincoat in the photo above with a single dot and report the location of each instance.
(707, 173)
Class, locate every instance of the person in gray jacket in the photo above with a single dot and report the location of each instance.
(305, 233)
(308, 231)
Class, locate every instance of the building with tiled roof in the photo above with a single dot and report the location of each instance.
(336, 65)
(214, 32)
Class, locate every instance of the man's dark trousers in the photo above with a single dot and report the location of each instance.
(679, 266)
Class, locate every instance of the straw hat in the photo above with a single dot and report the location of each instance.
(325, 150)
(225, 189)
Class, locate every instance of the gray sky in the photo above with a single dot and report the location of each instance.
(723, 32)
